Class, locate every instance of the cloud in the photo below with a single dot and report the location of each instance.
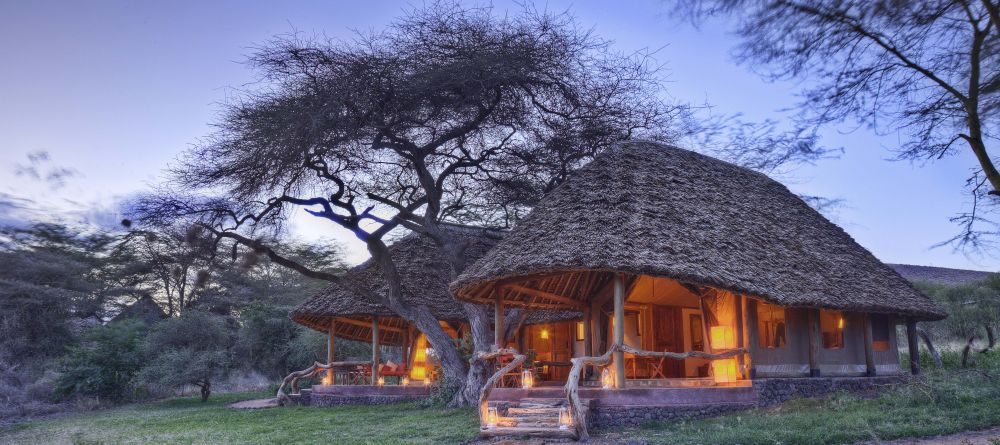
(40, 168)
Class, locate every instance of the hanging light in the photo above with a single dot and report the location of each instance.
(722, 337)
(607, 380)
(527, 379)
(565, 420)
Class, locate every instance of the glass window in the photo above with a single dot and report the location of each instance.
(831, 326)
(770, 325)
(880, 332)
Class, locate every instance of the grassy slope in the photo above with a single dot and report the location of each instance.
(189, 421)
(945, 402)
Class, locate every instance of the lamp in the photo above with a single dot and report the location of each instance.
(527, 379)
(381, 381)
(427, 381)
(419, 372)
(565, 420)
(545, 334)
(840, 323)
(607, 380)
(722, 337)
(492, 417)
(724, 371)
(405, 381)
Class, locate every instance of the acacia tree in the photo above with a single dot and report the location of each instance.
(449, 115)
(928, 70)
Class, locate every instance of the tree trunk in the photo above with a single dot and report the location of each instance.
(479, 370)
(206, 390)
(935, 355)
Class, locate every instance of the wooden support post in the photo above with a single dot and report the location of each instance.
(914, 349)
(406, 348)
(498, 336)
(752, 336)
(814, 342)
(331, 348)
(741, 369)
(375, 351)
(588, 342)
(869, 348)
(619, 355)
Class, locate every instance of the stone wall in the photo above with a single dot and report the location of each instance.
(770, 391)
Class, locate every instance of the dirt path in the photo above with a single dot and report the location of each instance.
(985, 437)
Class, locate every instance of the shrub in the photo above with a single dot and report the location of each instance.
(105, 363)
(190, 349)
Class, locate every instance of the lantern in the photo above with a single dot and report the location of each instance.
(405, 381)
(840, 323)
(565, 420)
(492, 417)
(723, 337)
(427, 381)
(545, 334)
(724, 371)
(527, 379)
(607, 380)
(381, 381)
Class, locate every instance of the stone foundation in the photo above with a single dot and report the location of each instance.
(768, 392)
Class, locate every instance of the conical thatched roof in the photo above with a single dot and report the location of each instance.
(651, 209)
(425, 274)
(144, 309)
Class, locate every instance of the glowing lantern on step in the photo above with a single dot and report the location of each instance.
(527, 379)
(724, 371)
(565, 420)
(405, 381)
(492, 417)
(427, 381)
(723, 337)
(607, 380)
(381, 381)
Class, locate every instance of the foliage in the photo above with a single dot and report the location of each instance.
(192, 349)
(970, 307)
(925, 72)
(188, 421)
(105, 363)
(49, 277)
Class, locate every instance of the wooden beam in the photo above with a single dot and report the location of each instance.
(588, 341)
(740, 359)
(914, 349)
(752, 336)
(619, 355)
(546, 295)
(505, 282)
(498, 337)
(869, 347)
(331, 347)
(375, 351)
(814, 342)
(361, 324)
(536, 306)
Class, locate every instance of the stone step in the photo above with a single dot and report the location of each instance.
(522, 412)
(542, 403)
(517, 431)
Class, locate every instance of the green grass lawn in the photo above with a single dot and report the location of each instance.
(187, 420)
(944, 402)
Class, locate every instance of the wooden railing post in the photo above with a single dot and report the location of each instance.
(619, 355)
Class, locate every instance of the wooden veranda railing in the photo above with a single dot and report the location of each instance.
(492, 381)
(573, 380)
(292, 379)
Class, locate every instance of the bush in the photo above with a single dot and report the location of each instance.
(266, 340)
(105, 363)
(190, 349)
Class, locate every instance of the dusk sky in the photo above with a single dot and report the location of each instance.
(114, 91)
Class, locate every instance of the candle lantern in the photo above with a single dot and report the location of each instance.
(565, 420)
(607, 380)
(492, 418)
(527, 379)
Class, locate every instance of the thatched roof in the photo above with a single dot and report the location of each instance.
(652, 209)
(144, 309)
(425, 274)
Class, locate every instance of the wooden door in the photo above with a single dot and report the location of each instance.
(668, 336)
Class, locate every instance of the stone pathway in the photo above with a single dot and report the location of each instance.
(255, 404)
(985, 437)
